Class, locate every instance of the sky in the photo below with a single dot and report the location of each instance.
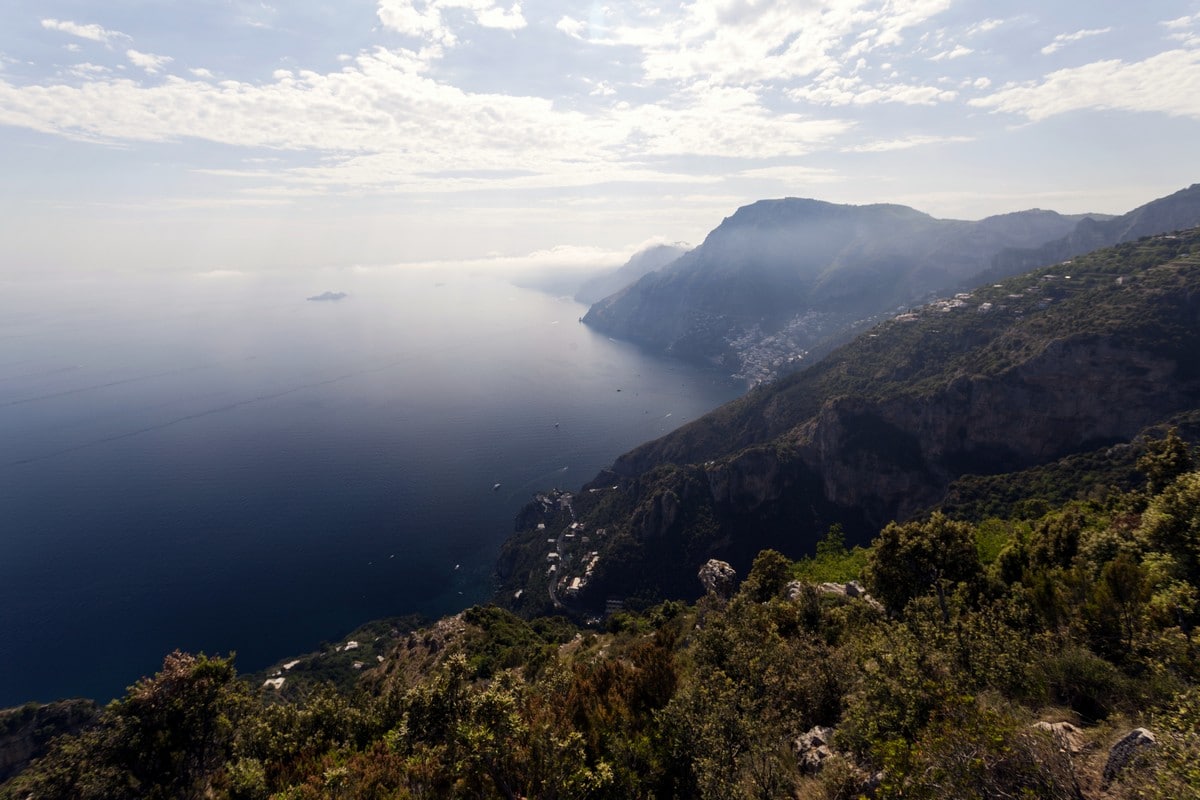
(233, 136)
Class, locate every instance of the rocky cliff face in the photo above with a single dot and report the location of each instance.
(895, 458)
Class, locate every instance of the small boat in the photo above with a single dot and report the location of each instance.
(496, 488)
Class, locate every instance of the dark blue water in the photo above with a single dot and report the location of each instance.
(217, 464)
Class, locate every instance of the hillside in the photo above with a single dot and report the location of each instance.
(1015, 375)
(639, 265)
(1174, 212)
(781, 281)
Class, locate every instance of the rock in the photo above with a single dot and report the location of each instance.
(718, 577)
(812, 749)
(1069, 738)
(853, 589)
(1124, 751)
(795, 590)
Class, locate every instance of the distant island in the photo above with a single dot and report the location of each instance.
(327, 296)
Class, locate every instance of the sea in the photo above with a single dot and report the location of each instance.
(215, 463)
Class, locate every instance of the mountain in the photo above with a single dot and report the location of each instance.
(781, 282)
(642, 263)
(1174, 212)
(1022, 373)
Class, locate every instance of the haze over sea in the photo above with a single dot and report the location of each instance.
(214, 463)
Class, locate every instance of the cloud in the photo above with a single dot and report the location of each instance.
(741, 42)
(958, 52)
(93, 32)
(843, 91)
(890, 145)
(791, 174)
(427, 19)
(984, 27)
(148, 61)
(574, 28)
(382, 124)
(1183, 29)
(1168, 83)
(87, 70)
(1067, 38)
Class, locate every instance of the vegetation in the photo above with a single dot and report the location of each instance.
(1084, 615)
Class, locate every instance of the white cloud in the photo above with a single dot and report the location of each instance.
(497, 17)
(429, 20)
(88, 70)
(572, 27)
(1168, 83)
(385, 126)
(1182, 22)
(984, 27)
(958, 52)
(889, 145)
(791, 174)
(1067, 38)
(91, 32)
(600, 88)
(740, 42)
(147, 61)
(842, 91)
(1184, 29)
(201, 72)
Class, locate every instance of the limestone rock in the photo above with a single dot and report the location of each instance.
(812, 749)
(1124, 751)
(1069, 738)
(853, 589)
(718, 577)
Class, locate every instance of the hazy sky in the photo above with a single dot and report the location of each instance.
(243, 135)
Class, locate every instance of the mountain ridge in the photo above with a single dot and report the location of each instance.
(780, 282)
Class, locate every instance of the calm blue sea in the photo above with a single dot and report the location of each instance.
(214, 463)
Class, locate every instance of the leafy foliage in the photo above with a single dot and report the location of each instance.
(1086, 611)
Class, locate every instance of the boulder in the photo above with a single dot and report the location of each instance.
(718, 578)
(1070, 739)
(812, 749)
(1125, 750)
(853, 589)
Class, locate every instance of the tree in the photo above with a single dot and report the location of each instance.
(1165, 460)
(1171, 524)
(169, 738)
(768, 576)
(919, 558)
